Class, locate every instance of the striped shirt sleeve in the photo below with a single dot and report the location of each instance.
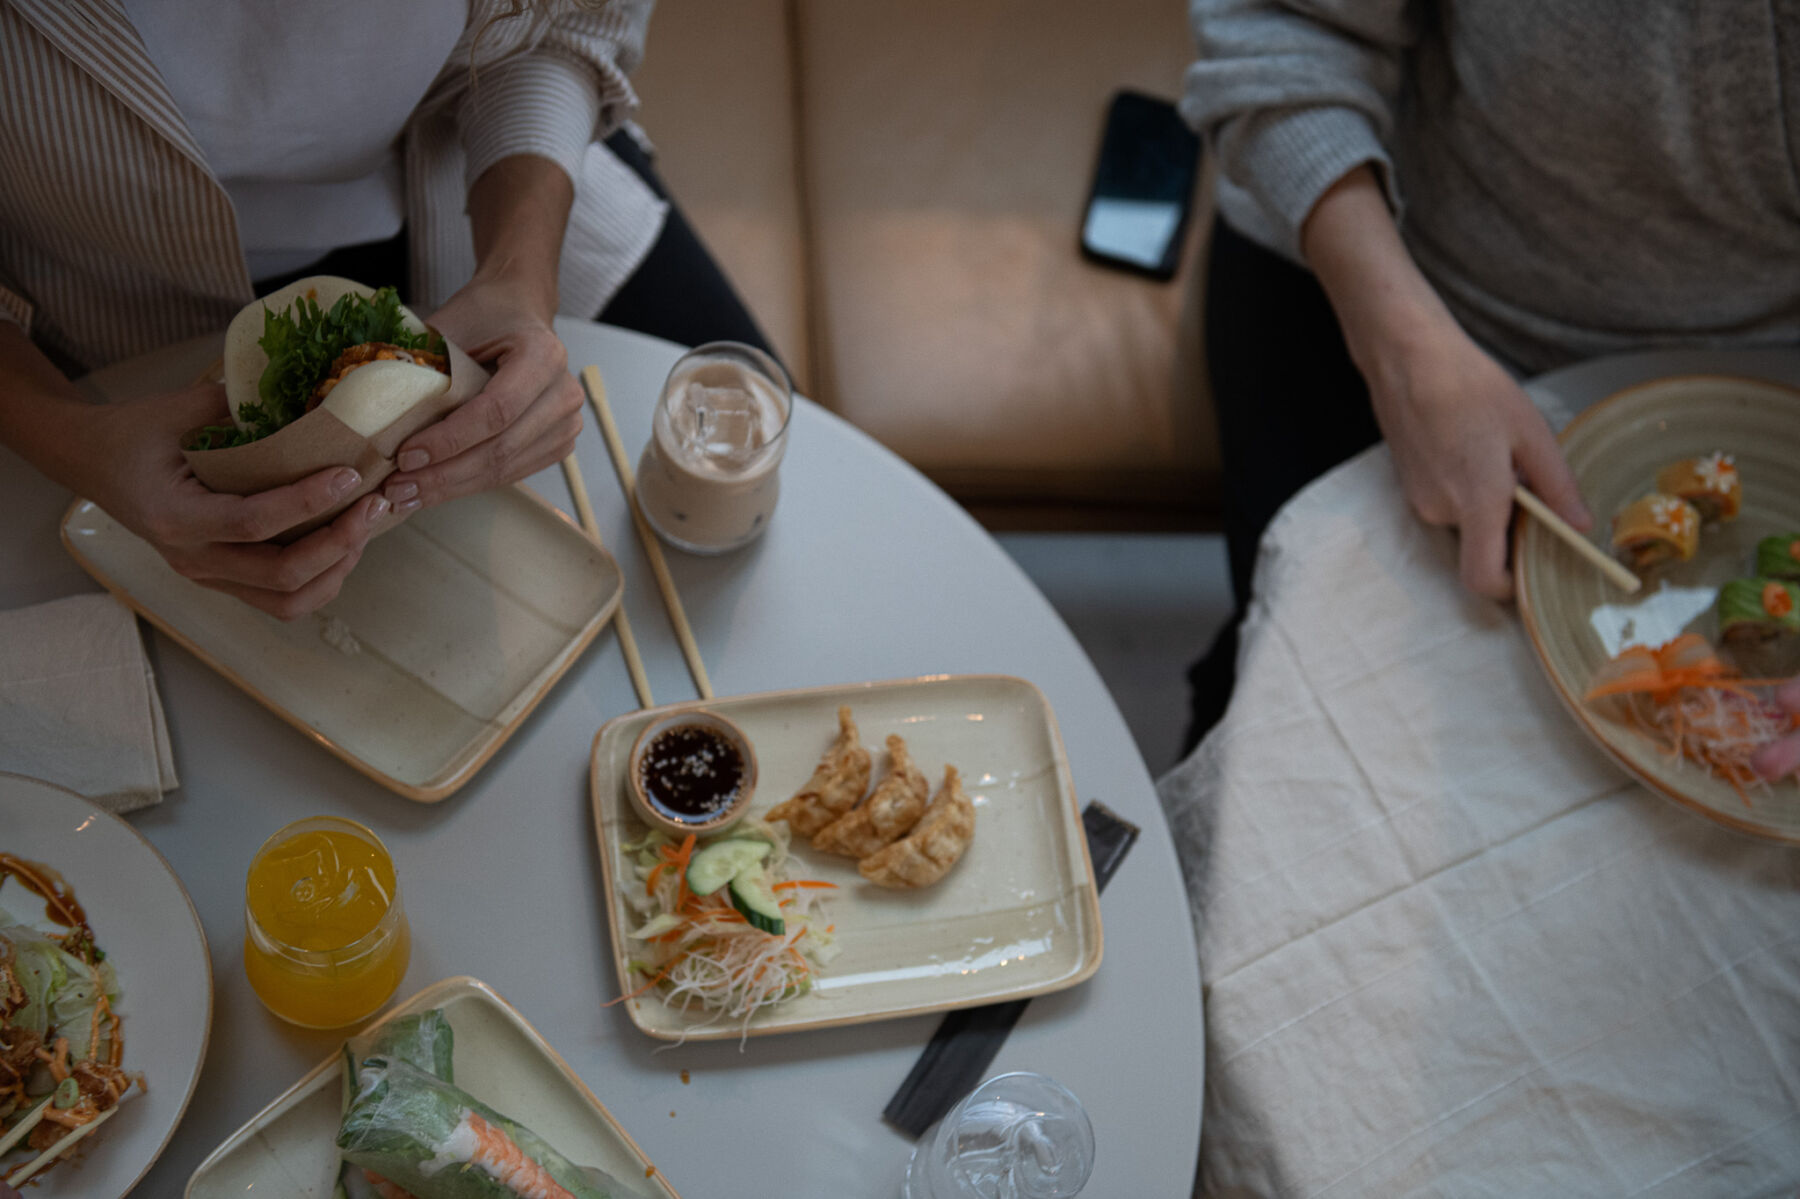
(557, 98)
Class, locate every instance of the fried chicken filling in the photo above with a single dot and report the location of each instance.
(372, 351)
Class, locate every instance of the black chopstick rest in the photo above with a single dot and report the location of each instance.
(967, 1040)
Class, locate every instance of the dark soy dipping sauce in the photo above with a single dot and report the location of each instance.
(691, 772)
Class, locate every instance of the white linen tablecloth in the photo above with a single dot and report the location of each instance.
(1447, 947)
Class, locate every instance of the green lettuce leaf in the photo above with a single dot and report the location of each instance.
(61, 990)
(302, 342)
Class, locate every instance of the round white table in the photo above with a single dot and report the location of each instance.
(502, 881)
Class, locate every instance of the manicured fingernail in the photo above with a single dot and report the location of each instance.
(378, 508)
(414, 460)
(344, 482)
(399, 493)
(409, 507)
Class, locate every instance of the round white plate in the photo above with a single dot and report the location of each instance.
(143, 919)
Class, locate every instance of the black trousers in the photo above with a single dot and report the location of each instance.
(678, 292)
(1291, 405)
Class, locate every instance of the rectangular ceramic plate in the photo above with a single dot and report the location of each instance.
(447, 634)
(288, 1149)
(1018, 915)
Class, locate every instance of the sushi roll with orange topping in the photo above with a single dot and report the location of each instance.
(1778, 556)
(1710, 483)
(1656, 529)
(1752, 611)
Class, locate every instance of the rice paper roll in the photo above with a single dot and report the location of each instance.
(423, 1040)
(1757, 610)
(439, 1142)
(1778, 556)
(1710, 483)
(1656, 529)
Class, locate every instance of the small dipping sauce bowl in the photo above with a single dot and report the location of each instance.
(691, 771)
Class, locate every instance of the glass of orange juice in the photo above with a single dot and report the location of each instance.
(325, 938)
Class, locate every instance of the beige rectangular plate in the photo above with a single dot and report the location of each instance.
(447, 634)
(289, 1148)
(1018, 915)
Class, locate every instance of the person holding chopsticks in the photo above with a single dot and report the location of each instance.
(1420, 201)
(163, 162)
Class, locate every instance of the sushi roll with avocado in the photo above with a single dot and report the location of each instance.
(1656, 529)
(1778, 557)
(1752, 611)
(1710, 483)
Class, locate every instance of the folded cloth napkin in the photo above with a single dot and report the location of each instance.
(78, 703)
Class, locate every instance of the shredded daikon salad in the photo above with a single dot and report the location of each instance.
(1695, 707)
(700, 952)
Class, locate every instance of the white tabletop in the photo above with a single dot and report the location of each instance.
(867, 572)
(1450, 948)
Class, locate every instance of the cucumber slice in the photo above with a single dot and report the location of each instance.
(712, 866)
(751, 895)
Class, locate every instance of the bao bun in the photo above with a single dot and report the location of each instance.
(368, 400)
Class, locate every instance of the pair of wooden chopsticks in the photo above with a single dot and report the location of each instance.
(595, 387)
(1619, 576)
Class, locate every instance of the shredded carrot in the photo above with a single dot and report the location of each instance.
(803, 882)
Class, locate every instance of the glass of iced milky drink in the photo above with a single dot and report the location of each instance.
(709, 477)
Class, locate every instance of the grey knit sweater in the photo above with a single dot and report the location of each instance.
(1575, 177)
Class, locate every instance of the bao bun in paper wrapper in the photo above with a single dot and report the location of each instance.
(361, 423)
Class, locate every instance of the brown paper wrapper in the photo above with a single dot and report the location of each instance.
(319, 439)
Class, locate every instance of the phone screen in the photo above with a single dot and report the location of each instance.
(1143, 185)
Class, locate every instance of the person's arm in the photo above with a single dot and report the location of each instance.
(1461, 431)
(528, 415)
(127, 459)
(526, 126)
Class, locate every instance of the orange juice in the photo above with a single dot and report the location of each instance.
(325, 938)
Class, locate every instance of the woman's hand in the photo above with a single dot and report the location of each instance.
(530, 412)
(1462, 433)
(526, 418)
(133, 468)
(1781, 758)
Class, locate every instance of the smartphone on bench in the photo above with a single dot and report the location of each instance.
(1143, 193)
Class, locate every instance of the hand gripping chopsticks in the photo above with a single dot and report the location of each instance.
(634, 662)
(596, 393)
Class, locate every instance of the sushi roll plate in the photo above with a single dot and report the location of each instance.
(1620, 450)
(289, 1148)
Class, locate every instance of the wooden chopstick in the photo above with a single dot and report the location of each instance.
(634, 662)
(596, 393)
(1616, 573)
(23, 1174)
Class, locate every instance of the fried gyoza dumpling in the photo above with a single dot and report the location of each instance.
(840, 780)
(926, 854)
(890, 811)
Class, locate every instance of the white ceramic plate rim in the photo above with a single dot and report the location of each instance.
(151, 860)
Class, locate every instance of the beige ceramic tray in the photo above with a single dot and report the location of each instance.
(443, 640)
(1019, 915)
(1576, 620)
(288, 1149)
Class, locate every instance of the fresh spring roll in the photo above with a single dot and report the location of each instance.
(1710, 483)
(1756, 610)
(1778, 556)
(1656, 529)
(438, 1142)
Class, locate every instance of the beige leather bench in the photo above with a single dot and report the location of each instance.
(897, 189)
